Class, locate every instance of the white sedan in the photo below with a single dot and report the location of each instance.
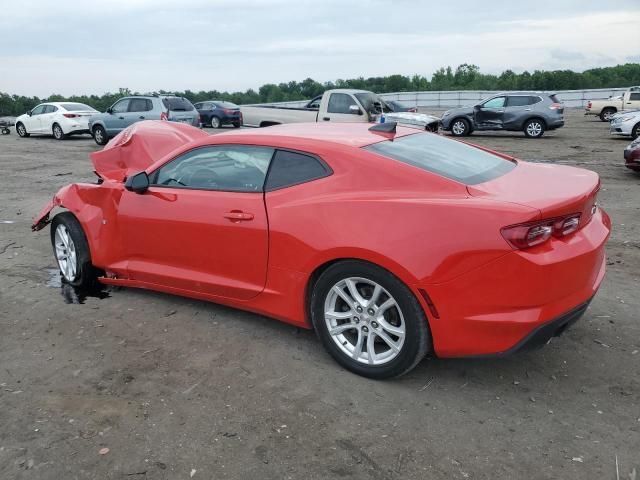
(625, 123)
(59, 119)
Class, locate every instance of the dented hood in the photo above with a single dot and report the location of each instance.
(140, 145)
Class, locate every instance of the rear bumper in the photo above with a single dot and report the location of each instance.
(523, 297)
(556, 124)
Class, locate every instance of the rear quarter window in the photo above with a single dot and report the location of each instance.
(292, 168)
(449, 158)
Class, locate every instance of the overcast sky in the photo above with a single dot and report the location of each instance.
(63, 46)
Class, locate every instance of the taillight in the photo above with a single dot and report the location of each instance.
(413, 110)
(589, 104)
(555, 106)
(70, 115)
(527, 235)
(163, 116)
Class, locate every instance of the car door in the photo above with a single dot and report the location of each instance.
(517, 109)
(47, 118)
(633, 102)
(114, 122)
(343, 107)
(139, 109)
(32, 122)
(202, 224)
(490, 114)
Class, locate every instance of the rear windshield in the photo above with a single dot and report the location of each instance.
(177, 104)
(449, 158)
(77, 107)
(554, 99)
(226, 104)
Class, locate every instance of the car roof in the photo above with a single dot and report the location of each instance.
(351, 134)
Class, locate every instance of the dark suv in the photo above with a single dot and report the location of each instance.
(530, 112)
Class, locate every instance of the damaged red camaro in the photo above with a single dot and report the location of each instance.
(390, 242)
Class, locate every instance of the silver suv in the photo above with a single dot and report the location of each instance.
(530, 112)
(129, 110)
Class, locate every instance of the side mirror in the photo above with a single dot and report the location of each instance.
(355, 110)
(29, 113)
(109, 110)
(138, 183)
(477, 107)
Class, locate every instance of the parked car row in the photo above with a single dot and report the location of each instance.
(605, 109)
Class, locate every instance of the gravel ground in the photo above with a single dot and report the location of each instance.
(178, 389)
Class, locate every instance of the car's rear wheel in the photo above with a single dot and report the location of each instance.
(236, 124)
(71, 250)
(368, 320)
(215, 122)
(534, 128)
(460, 127)
(635, 131)
(607, 113)
(58, 133)
(22, 131)
(100, 135)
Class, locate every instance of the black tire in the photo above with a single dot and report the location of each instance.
(99, 135)
(236, 125)
(534, 128)
(635, 131)
(5, 131)
(22, 131)
(605, 114)
(85, 274)
(460, 127)
(215, 122)
(58, 133)
(417, 338)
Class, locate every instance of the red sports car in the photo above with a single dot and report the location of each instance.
(390, 242)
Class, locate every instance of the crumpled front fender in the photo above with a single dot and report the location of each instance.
(42, 219)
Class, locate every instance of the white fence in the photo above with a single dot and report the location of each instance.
(571, 98)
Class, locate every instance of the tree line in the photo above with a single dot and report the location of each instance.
(464, 77)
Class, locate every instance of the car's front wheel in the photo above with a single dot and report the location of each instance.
(71, 250)
(215, 122)
(368, 320)
(534, 128)
(635, 131)
(58, 133)
(460, 127)
(22, 130)
(100, 135)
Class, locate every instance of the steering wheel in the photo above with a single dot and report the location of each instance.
(202, 177)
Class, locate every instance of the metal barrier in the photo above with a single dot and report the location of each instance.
(450, 99)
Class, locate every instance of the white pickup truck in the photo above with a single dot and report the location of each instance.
(605, 109)
(339, 105)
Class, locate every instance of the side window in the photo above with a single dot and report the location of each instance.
(291, 168)
(519, 101)
(121, 106)
(39, 110)
(497, 102)
(340, 103)
(211, 106)
(198, 106)
(234, 168)
(315, 103)
(634, 96)
(140, 105)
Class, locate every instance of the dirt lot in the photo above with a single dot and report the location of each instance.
(180, 389)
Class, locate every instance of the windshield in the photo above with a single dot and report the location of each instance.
(77, 107)
(226, 104)
(448, 158)
(177, 104)
(372, 103)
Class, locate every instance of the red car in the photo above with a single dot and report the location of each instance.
(390, 242)
(632, 155)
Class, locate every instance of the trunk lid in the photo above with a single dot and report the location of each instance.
(140, 145)
(554, 190)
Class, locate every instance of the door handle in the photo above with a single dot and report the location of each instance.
(326, 119)
(141, 117)
(527, 109)
(238, 216)
(121, 118)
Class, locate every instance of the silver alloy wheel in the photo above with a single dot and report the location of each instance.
(215, 122)
(607, 114)
(534, 129)
(97, 135)
(57, 131)
(458, 127)
(66, 253)
(21, 130)
(364, 321)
